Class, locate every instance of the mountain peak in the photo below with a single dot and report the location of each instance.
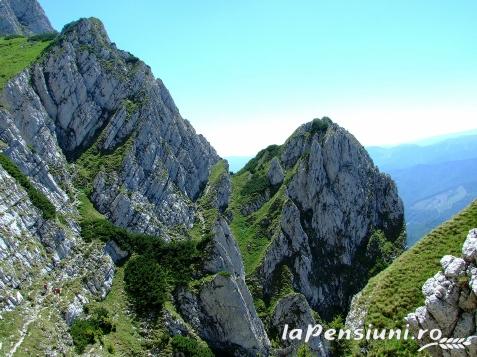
(23, 17)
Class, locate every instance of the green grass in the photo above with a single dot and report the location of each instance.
(396, 291)
(16, 54)
(87, 210)
(37, 198)
(125, 338)
(93, 161)
(255, 231)
(203, 230)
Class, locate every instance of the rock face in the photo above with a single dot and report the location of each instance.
(84, 91)
(221, 308)
(23, 17)
(295, 311)
(451, 302)
(335, 198)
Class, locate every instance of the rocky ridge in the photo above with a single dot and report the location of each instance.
(451, 302)
(332, 202)
(23, 17)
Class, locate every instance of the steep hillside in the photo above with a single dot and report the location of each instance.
(395, 292)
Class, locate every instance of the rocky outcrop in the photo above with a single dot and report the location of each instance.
(23, 17)
(451, 302)
(220, 307)
(275, 173)
(293, 310)
(335, 199)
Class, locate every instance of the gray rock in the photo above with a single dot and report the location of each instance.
(451, 304)
(295, 311)
(223, 314)
(469, 250)
(224, 254)
(212, 308)
(75, 309)
(23, 17)
(336, 199)
(275, 173)
(115, 252)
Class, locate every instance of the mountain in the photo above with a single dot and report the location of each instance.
(409, 155)
(23, 17)
(122, 231)
(313, 205)
(435, 181)
(396, 292)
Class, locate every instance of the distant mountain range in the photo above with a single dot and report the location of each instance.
(435, 177)
(435, 181)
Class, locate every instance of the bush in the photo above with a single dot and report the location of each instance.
(146, 283)
(83, 333)
(256, 185)
(86, 331)
(44, 37)
(190, 347)
(339, 347)
(320, 125)
(37, 198)
(11, 37)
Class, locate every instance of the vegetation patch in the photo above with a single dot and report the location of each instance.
(124, 339)
(17, 53)
(255, 231)
(87, 331)
(37, 198)
(320, 125)
(189, 347)
(396, 291)
(207, 212)
(93, 161)
(146, 282)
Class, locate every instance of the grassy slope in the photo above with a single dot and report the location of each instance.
(253, 240)
(125, 340)
(16, 54)
(396, 291)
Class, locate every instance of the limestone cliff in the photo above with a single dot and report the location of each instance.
(23, 17)
(323, 210)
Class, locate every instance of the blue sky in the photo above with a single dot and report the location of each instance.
(247, 73)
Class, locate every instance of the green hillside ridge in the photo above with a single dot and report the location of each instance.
(17, 53)
(396, 291)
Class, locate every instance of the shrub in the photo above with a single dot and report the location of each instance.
(146, 283)
(86, 331)
(320, 125)
(190, 347)
(339, 347)
(37, 198)
(83, 334)
(256, 185)
(44, 37)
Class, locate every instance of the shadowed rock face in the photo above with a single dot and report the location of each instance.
(23, 17)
